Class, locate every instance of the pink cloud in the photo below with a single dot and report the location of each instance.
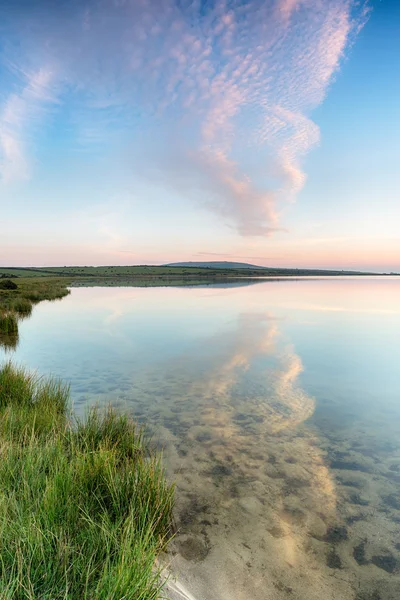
(232, 84)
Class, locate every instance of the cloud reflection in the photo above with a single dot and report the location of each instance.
(235, 412)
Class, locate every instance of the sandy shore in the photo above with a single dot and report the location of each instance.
(177, 591)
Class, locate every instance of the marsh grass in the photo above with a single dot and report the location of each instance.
(84, 508)
(21, 306)
(32, 290)
(8, 323)
(36, 292)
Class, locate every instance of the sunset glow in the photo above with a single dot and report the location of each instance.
(147, 132)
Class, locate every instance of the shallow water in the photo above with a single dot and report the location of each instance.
(278, 408)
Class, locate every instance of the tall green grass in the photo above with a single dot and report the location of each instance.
(84, 507)
(21, 306)
(8, 323)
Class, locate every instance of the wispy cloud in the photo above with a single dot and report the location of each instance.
(223, 86)
(19, 115)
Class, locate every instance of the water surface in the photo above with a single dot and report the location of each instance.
(278, 408)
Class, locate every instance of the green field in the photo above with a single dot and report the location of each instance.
(128, 271)
(144, 272)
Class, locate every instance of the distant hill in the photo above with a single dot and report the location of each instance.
(215, 265)
(256, 270)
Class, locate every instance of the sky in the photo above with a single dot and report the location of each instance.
(153, 131)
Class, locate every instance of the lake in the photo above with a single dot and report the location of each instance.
(277, 405)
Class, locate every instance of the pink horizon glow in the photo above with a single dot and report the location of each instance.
(347, 257)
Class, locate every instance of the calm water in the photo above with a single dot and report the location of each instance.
(278, 406)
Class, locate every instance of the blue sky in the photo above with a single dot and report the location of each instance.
(148, 131)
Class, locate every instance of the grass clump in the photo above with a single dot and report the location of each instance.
(30, 405)
(84, 508)
(21, 306)
(8, 324)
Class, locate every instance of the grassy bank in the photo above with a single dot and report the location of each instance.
(30, 291)
(84, 509)
(17, 299)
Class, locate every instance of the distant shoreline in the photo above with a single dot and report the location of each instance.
(173, 274)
